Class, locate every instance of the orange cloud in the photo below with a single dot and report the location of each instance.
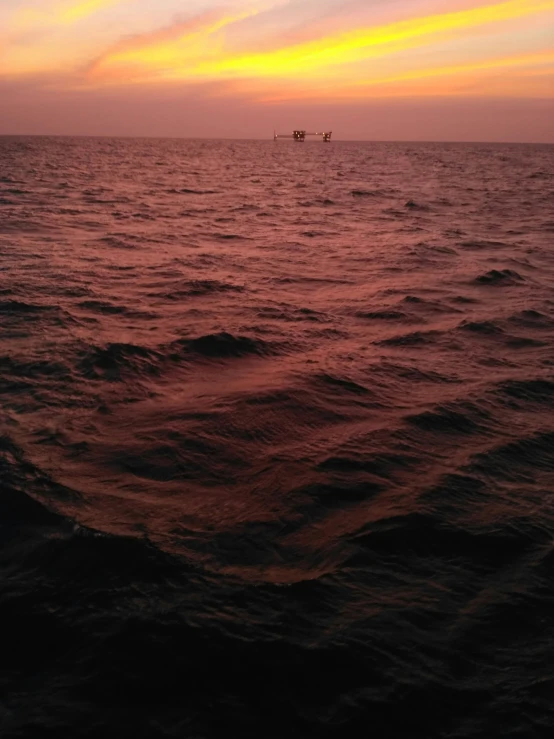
(58, 12)
(177, 45)
(213, 49)
(367, 42)
(473, 78)
(40, 40)
(199, 52)
(72, 13)
(163, 44)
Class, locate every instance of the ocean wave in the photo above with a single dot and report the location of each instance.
(383, 465)
(312, 280)
(316, 202)
(102, 307)
(488, 328)
(518, 460)
(359, 193)
(500, 277)
(414, 338)
(322, 455)
(425, 535)
(483, 244)
(417, 303)
(341, 384)
(116, 361)
(532, 319)
(17, 508)
(525, 342)
(537, 391)
(34, 368)
(462, 418)
(412, 205)
(298, 409)
(193, 288)
(191, 191)
(291, 313)
(228, 236)
(15, 191)
(118, 242)
(313, 234)
(223, 345)
(16, 307)
(413, 373)
(26, 487)
(383, 315)
(106, 307)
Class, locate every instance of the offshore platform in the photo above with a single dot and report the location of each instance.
(301, 135)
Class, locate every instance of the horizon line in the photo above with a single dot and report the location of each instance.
(270, 138)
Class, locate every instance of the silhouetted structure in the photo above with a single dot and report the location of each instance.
(300, 135)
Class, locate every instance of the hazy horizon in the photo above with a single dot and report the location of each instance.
(269, 139)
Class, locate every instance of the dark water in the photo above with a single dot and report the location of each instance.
(276, 439)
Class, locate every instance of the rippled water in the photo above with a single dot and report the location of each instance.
(276, 439)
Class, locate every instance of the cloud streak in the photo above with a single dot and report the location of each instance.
(472, 79)
(202, 49)
(54, 13)
(39, 39)
(366, 43)
(76, 12)
(269, 52)
(164, 48)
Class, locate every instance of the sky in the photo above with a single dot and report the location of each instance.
(462, 70)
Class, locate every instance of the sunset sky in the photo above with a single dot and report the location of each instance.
(368, 69)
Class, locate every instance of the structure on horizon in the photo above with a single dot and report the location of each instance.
(301, 135)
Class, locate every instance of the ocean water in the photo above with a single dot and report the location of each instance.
(276, 439)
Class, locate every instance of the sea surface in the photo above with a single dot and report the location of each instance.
(276, 439)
